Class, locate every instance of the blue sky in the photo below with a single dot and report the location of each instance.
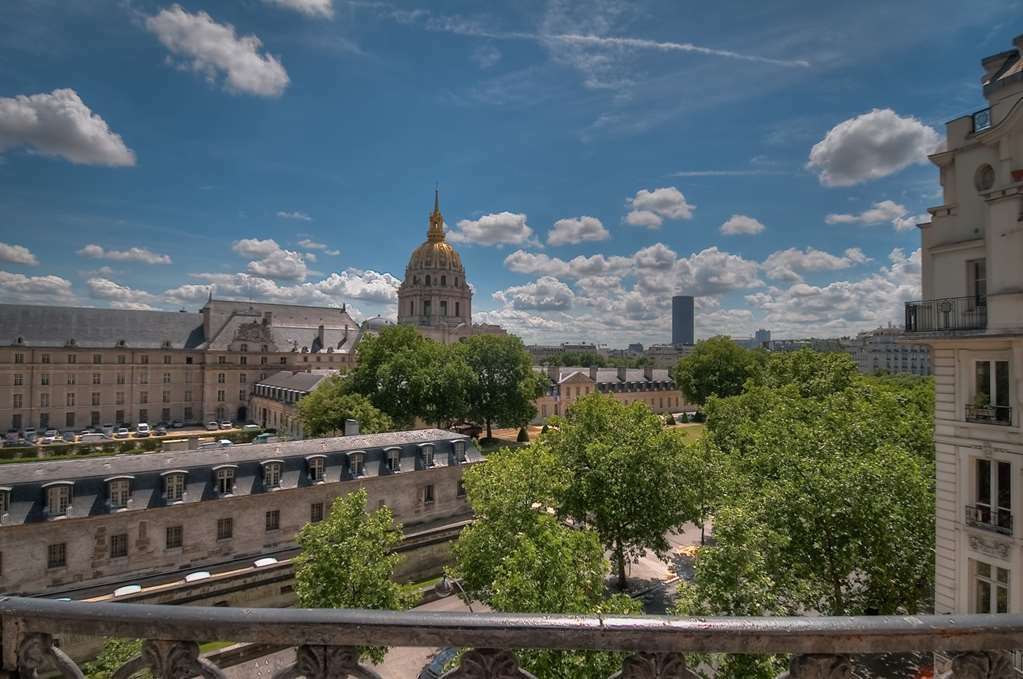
(593, 157)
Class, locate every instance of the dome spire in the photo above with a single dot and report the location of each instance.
(436, 230)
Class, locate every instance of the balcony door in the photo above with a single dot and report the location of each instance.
(976, 282)
(990, 399)
(993, 499)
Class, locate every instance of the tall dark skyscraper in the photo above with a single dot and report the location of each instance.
(682, 320)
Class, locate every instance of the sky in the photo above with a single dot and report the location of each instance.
(593, 158)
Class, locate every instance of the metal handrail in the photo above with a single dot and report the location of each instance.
(659, 634)
(947, 314)
(989, 518)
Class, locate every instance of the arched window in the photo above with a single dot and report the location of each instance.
(443, 280)
(427, 280)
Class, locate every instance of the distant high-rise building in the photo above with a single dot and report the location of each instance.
(682, 320)
(762, 338)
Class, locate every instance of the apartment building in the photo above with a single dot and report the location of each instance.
(651, 386)
(971, 317)
(68, 368)
(884, 351)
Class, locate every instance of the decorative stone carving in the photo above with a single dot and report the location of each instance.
(993, 548)
(488, 663)
(177, 660)
(655, 666)
(982, 665)
(818, 666)
(256, 331)
(326, 662)
(37, 651)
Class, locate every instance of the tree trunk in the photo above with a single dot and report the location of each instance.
(490, 434)
(620, 560)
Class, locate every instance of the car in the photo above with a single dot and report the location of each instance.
(68, 436)
(227, 424)
(29, 433)
(142, 430)
(45, 438)
(12, 435)
(107, 429)
(92, 437)
(435, 669)
(177, 424)
(122, 433)
(212, 426)
(161, 430)
(52, 432)
(251, 427)
(224, 443)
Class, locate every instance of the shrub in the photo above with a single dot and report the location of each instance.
(523, 436)
(126, 446)
(699, 417)
(685, 418)
(544, 430)
(670, 420)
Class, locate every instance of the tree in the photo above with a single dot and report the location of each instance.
(627, 476)
(716, 367)
(815, 373)
(348, 561)
(115, 653)
(441, 384)
(505, 383)
(324, 411)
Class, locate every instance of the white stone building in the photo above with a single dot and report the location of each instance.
(884, 351)
(971, 317)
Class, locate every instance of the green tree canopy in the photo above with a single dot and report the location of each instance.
(716, 367)
(348, 561)
(814, 373)
(505, 383)
(324, 411)
(628, 477)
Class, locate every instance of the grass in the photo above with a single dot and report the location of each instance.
(693, 431)
(490, 445)
(211, 646)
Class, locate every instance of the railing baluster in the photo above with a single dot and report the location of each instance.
(314, 661)
(488, 663)
(655, 666)
(982, 665)
(170, 660)
(818, 666)
(37, 651)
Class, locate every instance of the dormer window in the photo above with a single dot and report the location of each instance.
(393, 460)
(357, 464)
(272, 473)
(119, 491)
(459, 447)
(120, 344)
(225, 480)
(174, 486)
(58, 498)
(317, 465)
(5, 501)
(427, 456)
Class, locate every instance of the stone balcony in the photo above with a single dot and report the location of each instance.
(654, 646)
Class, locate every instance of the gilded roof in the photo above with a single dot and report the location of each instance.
(435, 252)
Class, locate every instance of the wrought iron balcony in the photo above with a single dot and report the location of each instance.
(982, 120)
(947, 314)
(989, 414)
(988, 518)
(653, 647)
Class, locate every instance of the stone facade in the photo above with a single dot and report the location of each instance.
(69, 368)
(883, 351)
(651, 386)
(103, 537)
(274, 403)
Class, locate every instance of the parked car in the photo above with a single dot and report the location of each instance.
(142, 430)
(29, 434)
(92, 437)
(177, 424)
(227, 424)
(161, 430)
(122, 433)
(107, 429)
(251, 427)
(12, 435)
(435, 669)
(212, 426)
(68, 436)
(224, 443)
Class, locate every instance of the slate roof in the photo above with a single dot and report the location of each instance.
(303, 382)
(89, 496)
(610, 375)
(53, 326)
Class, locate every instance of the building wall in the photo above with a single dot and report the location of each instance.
(682, 320)
(660, 401)
(23, 548)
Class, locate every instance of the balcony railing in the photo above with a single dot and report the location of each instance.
(946, 314)
(989, 414)
(982, 120)
(988, 518)
(653, 647)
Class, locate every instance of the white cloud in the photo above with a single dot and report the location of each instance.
(332, 253)
(521, 261)
(713, 272)
(651, 208)
(884, 211)
(910, 222)
(787, 264)
(189, 294)
(135, 254)
(313, 8)
(296, 215)
(335, 289)
(870, 146)
(312, 245)
(544, 294)
(213, 48)
(60, 124)
(576, 230)
(17, 254)
(500, 228)
(20, 289)
(271, 260)
(486, 55)
(120, 296)
(741, 224)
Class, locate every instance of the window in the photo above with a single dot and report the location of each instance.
(427, 456)
(357, 464)
(20, 358)
(174, 487)
(461, 488)
(991, 588)
(426, 307)
(71, 379)
(243, 360)
(188, 413)
(993, 495)
(58, 499)
(119, 546)
(241, 394)
(119, 417)
(221, 378)
(460, 448)
(166, 378)
(119, 398)
(121, 359)
(315, 512)
(428, 494)
(165, 397)
(284, 360)
(316, 467)
(175, 537)
(97, 378)
(94, 418)
(43, 358)
(990, 398)
(44, 420)
(427, 279)
(120, 378)
(272, 474)
(221, 360)
(5, 501)
(188, 360)
(220, 394)
(225, 528)
(143, 415)
(166, 359)
(393, 460)
(457, 310)
(165, 414)
(225, 480)
(144, 359)
(443, 280)
(143, 397)
(71, 358)
(44, 380)
(95, 398)
(976, 281)
(443, 307)
(273, 519)
(97, 358)
(19, 380)
(144, 377)
(69, 399)
(263, 360)
(243, 378)
(16, 400)
(188, 394)
(56, 555)
(120, 492)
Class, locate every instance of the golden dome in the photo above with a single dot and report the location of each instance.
(435, 253)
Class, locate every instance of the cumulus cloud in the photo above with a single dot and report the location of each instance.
(501, 228)
(884, 211)
(119, 296)
(271, 260)
(713, 272)
(135, 254)
(544, 294)
(335, 289)
(18, 288)
(312, 8)
(213, 49)
(60, 124)
(651, 208)
(296, 215)
(576, 230)
(521, 261)
(312, 245)
(741, 224)
(787, 264)
(17, 254)
(870, 146)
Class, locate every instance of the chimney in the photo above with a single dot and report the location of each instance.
(351, 427)
(621, 374)
(593, 373)
(321, 335)
(554, 372)
(648, 373)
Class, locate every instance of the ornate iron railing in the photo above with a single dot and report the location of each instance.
(947, 314)
(988, 518)
(327, 640)
(981, 120)
(989, 414)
